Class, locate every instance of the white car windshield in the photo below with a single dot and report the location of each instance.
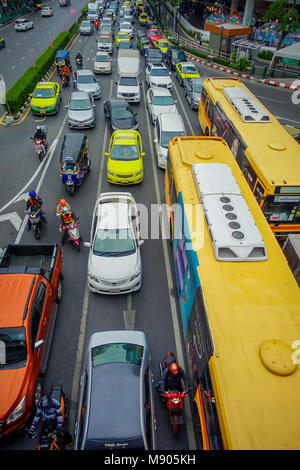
(163, 101)
(159, 73)
(125, 152)
(82, 105)
(114, 242)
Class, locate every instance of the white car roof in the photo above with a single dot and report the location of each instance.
(114, 215)
(171, 122)
(158, 91)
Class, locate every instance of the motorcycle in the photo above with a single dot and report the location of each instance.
(41, 148)
(53, 440)
(65, 79)
(35, 221)
(173, 399)
(73, 234)
(79, 64)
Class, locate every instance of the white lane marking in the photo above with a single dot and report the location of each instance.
(289, 120)
(171, 288)
(129, 314)
(14, 218)
(41, 180)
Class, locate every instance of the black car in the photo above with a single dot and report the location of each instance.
(119, 115)
(174, 56)
(152, 56)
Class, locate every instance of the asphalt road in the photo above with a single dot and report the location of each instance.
(154, 308)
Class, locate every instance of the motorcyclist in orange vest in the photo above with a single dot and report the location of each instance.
(66, 217)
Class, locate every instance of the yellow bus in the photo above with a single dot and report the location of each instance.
(239, 302)
(268, 156)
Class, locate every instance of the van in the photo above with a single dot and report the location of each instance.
(93, 12)
(128, 75)
(167, 126)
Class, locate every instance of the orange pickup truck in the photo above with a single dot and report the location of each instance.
(30, 291)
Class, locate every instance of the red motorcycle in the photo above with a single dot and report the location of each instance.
(41, 147)
(65, 79)
(73, 234)
(173, 399)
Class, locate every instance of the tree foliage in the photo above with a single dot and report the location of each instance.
(286, 15)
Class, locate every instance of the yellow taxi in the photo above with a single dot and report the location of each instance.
(125, 158)
(186, 70)
(161, 44)
(143, 19)
(122, 37)
(45, 98)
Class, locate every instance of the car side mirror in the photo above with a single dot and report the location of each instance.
(38, 344)
(87, 244)
(66, 106)
(155, 141)
(143, 154)
(106, 154)
(175, 101)
(141, 242)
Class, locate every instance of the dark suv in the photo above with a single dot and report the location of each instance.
(152, 56)
(174, 56)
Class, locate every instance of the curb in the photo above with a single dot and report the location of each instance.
(266, 81)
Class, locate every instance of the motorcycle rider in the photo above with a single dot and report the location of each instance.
(49, 410)
(96, 24)
(40, 134)
(66, 217)
(35, 200)
(172, 376)
(78, 57)
(66, 71)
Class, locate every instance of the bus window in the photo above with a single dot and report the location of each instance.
(247, 170)
(282, 209)
(210, 410)
(259, 192)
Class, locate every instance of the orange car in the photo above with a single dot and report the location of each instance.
(30, 290)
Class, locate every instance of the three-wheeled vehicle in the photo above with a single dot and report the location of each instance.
(62, 58)
(74, 160)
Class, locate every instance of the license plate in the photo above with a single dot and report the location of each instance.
(43, 111)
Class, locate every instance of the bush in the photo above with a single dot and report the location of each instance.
(240, 65)
(265, 55)
(221, 61)
(298, 138)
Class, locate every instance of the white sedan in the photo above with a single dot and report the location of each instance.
(157, 75)
(102, 63)
(114, 265)
(23, 24)
(160, 100)
(126, 27)
(46, 11)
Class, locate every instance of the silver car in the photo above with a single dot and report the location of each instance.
(84, 80)
(81, 110)
(102, 63)
(192, 90)
(86, 27)
(116, 397)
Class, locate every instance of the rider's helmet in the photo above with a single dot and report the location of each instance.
(32, 194)
(63, 202)
(45, 401)
(174, 369)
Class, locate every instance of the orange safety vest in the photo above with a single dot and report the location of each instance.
(68, 218)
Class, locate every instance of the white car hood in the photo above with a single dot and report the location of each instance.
(164, 109)
(114, 268)
(128, 89)
(161, 80)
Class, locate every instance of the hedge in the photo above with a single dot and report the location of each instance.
(19, 92)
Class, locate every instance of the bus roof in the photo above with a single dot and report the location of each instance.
(248, 303)
(271, 148)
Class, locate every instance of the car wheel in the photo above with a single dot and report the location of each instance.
(59, 289)
(37, 394)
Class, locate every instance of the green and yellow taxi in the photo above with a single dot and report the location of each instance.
(139, 5)
(161, 44)
(125, 158)
(46, 98)
(186, 70)
(122, 37)
(143, 19)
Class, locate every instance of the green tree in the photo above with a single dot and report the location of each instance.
(287, 17)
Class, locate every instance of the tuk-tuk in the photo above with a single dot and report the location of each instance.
(62, 58)
(74, 160)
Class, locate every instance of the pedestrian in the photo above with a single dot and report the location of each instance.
(200, 39)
